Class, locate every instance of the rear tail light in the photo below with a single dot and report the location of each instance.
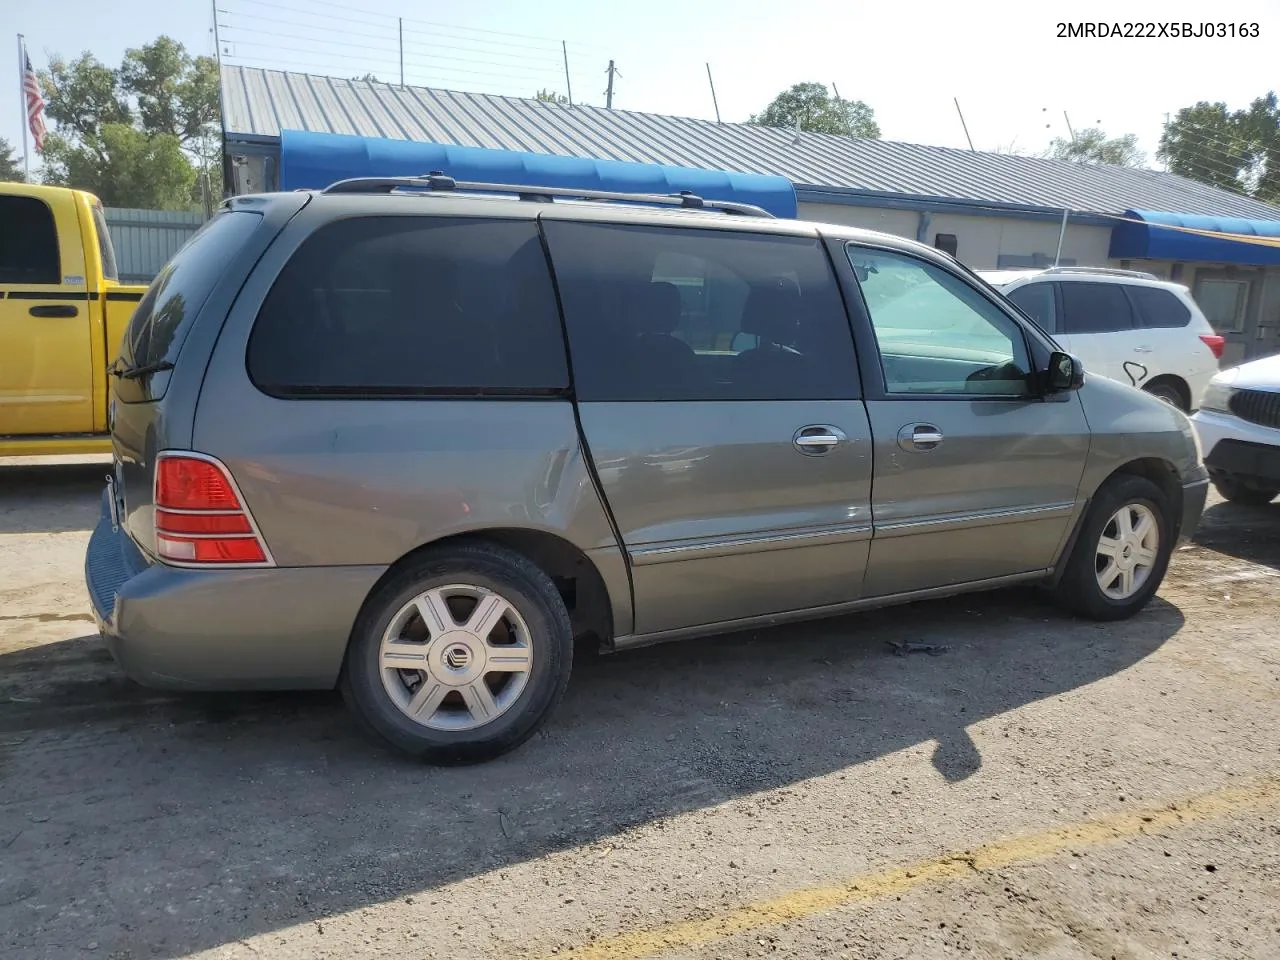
(1215, 343)
(200, 517)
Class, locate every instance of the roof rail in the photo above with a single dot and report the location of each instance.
(436, 181)
(1105, 271)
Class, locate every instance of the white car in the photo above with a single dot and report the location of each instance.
(1238, 426)
(1127, 325)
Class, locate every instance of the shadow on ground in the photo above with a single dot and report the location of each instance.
(173, 824)
(1247, 533)
(51, 498)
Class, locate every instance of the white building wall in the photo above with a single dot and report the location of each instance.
(980, 240)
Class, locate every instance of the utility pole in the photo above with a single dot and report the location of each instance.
(401, 19)
(1069, 130)
(564, 48)
(963, 124)
(713, 92)
(608, 94)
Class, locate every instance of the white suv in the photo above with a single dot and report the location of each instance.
(1238, 426)
(1123, 324)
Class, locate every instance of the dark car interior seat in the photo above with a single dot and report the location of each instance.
(771, 313)
(669, 364)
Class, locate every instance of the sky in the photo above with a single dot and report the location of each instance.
(1017, 83)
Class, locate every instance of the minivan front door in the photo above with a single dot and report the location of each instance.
(737, 468)
(975, 473)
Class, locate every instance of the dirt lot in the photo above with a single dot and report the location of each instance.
(1044, 787)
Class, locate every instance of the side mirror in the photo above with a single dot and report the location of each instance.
(1065, 372)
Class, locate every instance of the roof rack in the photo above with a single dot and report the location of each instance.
(437, 181)
(1105, 271)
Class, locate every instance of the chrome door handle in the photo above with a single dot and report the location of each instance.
(818, 439)
(919, 436)
(1141, 349)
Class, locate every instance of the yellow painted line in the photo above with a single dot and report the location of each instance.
(799, 904)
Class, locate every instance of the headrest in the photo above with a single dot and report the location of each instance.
(656, 308)
(772, 311)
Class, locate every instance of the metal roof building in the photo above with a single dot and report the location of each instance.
(260, 104)
(286, 130)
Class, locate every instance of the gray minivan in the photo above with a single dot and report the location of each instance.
(413, 438)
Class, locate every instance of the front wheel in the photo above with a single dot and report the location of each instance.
(1123, 551)
(461, 656)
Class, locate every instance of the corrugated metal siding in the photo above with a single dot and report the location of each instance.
(146, 239)
(262, 102)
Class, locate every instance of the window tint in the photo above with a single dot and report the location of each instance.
(1158, 308)
(937, 334)
(404, 306)
(105, 248)
(160, 323)
(28, 242)
(1036, 300)
(1094, 307)
(659, 313)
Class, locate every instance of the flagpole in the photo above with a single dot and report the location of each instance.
(22, 95)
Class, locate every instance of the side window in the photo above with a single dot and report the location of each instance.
(937, 334)
(660, 313)
(28, 242)
(405, 306)
(1037, 301)
(1157, 308)
(106, 250)
(1094, 307)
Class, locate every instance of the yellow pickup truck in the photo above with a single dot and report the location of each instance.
(62, 313)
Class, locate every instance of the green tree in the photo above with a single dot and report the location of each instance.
(1091, 145)
(125, 167)
(1206, 142)
(810, 106)
(550, 96)
(1236, 150)
(10, 168)
(143, 134)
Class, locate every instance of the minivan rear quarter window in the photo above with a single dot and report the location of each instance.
(412, 306)
(163, 317)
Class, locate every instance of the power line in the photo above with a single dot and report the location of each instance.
(534, 71)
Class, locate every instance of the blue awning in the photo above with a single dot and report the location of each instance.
(1189, 237)
(315, 160)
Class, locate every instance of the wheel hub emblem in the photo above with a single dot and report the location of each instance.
(457, 657)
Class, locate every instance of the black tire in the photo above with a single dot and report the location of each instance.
(1079, 590)
(1237, 492)
(1169, 393)
(532, 595)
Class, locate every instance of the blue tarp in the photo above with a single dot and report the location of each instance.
(315, 160)
(1150, 240)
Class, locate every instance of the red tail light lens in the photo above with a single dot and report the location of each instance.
(1215, 344)
(199, 516)
(185, 483)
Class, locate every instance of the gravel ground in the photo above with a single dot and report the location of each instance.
(696, 800)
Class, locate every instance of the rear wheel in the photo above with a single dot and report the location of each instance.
(1237, 492)
(1123, 551)
(461, 656)
(1170, 393)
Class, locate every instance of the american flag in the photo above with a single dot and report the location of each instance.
(35, 102)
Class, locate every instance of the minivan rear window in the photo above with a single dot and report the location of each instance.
(1158, 308)
(412, 306)
(163, 316)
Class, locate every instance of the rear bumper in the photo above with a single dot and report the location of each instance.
(266, 629)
